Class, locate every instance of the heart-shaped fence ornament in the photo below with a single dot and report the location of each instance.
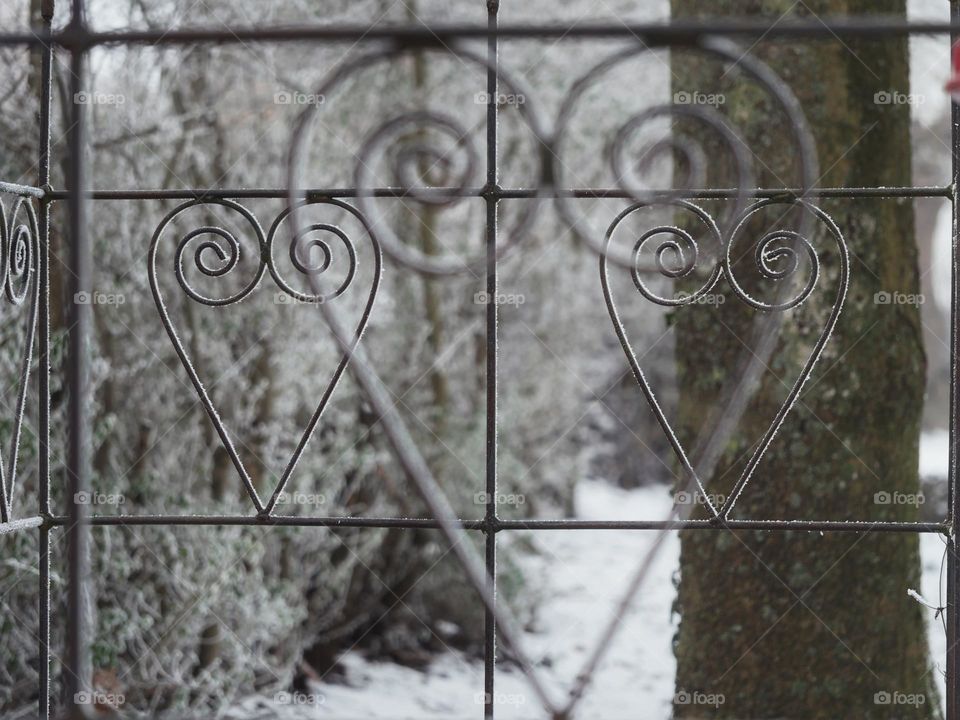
(405, 449)
(413, 463)
(226, 251)
(415, 467)
(776, 258)
(19, 254)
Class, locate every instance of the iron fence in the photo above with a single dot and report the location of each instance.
(26, 279)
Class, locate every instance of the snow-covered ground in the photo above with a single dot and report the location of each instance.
(582, 574)
(934, 453)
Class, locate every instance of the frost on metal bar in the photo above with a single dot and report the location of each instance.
(19, 288)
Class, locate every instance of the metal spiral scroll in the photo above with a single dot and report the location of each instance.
(427, 172)
(434, 163)
(317, 236)
(19, 253)
(778, 255)
(677, 254)
(216, 253)
(688, 148)
(694, 155)
(777, 258)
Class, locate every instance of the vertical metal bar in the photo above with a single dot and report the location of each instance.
(44, 634)
(46, 95)
(953, 563)
(43, 277)
(77, 668)
(490, 624)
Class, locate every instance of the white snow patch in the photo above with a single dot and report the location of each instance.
(934, 453)
(582, 575)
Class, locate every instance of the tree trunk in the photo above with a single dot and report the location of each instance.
(796, 624)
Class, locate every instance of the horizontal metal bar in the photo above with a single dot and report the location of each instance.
(22, 190)
(22, 524)
(779, 525)
(944, 191)
(514, 524)
(264, 520)
(658, 33)
(265, 193)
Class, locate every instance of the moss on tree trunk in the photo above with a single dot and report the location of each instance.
(810, 625)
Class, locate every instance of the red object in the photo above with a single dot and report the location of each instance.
(953, 85)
